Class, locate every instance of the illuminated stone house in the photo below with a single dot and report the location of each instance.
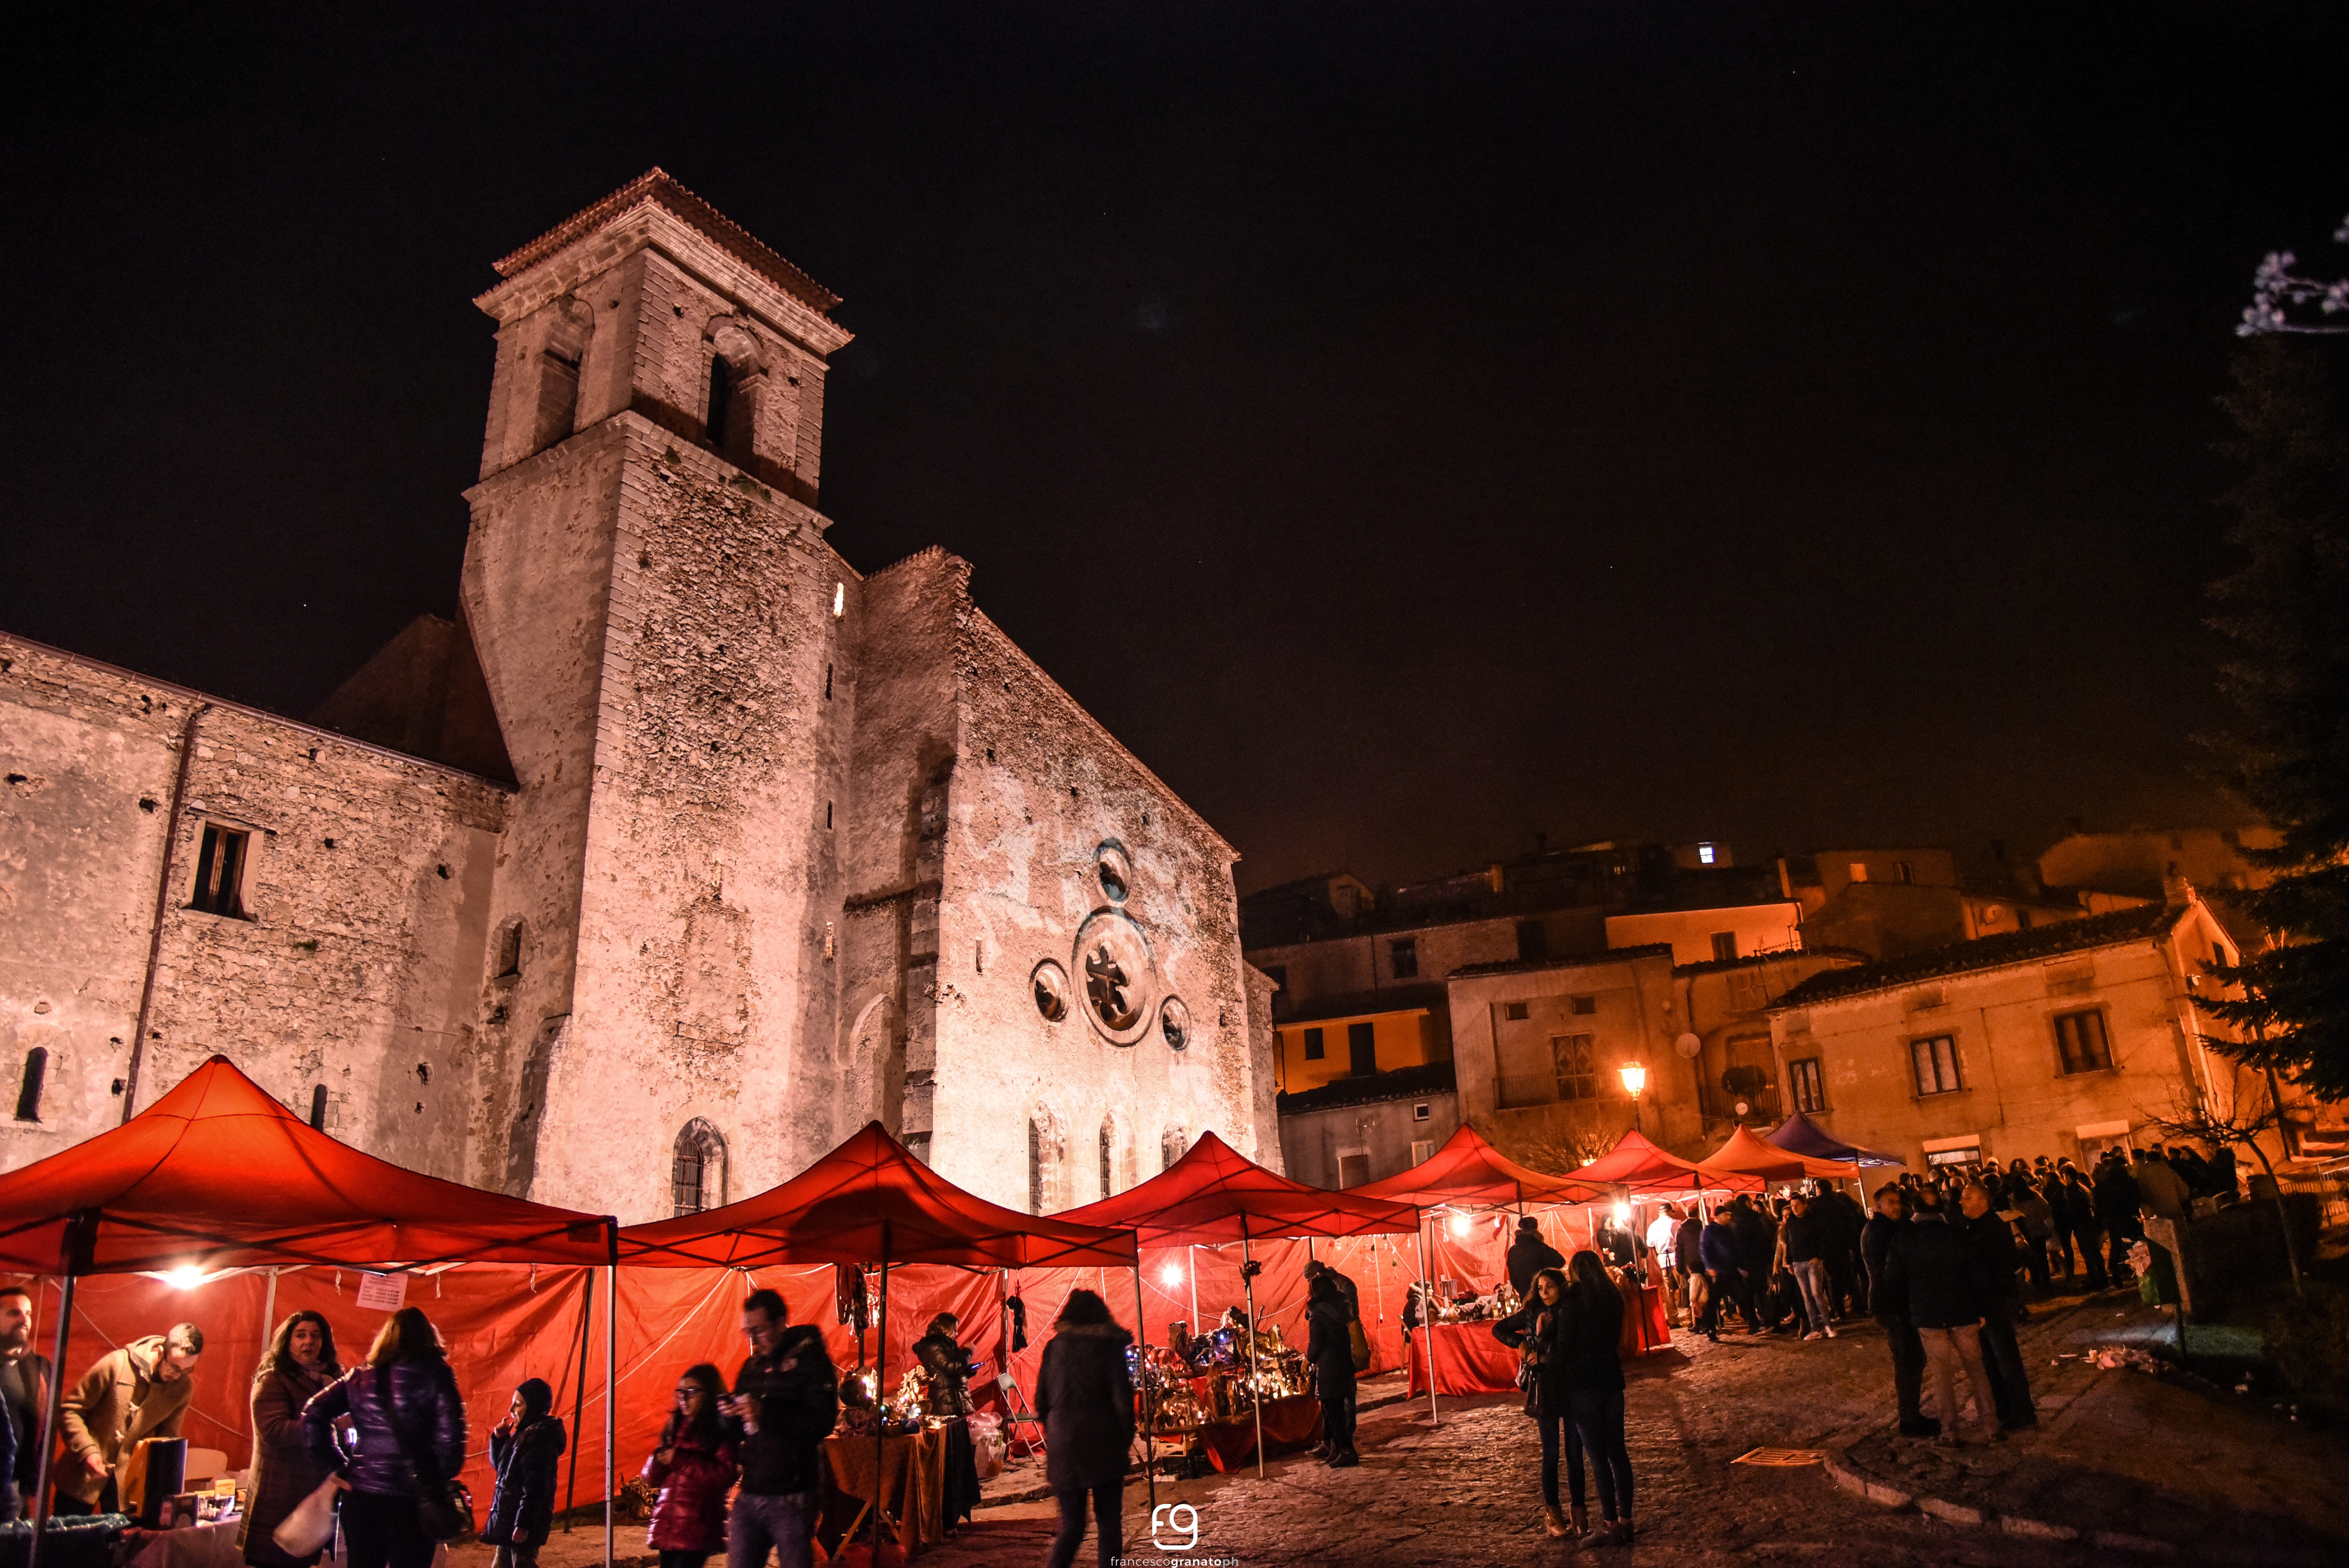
(687, 852)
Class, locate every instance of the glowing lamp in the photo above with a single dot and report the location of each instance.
(1171, 1275)
(1623, 1213)
(1635, 1079)
(187, 1276)
(1459, 1225)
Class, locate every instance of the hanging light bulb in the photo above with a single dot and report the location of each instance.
(1459, 1224)
(187, 1276)
(1172, 1275)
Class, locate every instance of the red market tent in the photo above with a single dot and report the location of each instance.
(1798, 1134)
(1640, 1168)
(1743, 1154)
(1469, 1173)
(1214, 1194)
(869, 1200)
(216, 1174)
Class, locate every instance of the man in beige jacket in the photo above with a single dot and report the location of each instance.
(137, 1392)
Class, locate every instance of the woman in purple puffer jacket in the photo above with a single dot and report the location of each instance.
(693, 1468)
(406, 1380)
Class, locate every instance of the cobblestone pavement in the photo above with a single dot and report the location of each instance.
(1465, 1491)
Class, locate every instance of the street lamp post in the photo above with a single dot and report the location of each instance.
(1635, 1079)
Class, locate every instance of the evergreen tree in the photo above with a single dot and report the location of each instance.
(2287, 611)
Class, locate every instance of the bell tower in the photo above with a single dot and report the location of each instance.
(648, 586)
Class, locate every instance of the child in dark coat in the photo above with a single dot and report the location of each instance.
(523, 1449)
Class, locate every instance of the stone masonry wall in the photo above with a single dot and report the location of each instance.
(367, 891)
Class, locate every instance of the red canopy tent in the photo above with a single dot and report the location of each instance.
(1640, 1168)
(217, 1174)
(1469, 1173)
(869, 1200)
(1214, 1194)
(1745, 1155)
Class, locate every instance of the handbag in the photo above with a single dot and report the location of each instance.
(444, 1507)
(311, 1525)
(1358, 1342)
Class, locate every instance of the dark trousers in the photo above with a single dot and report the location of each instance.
(2034, 1260)
(381, 1532)
(2089, 1237)
(2117, 1242)
(1337, 1417)
(64, 1505)
(1599, 1425)
(1558, 1430)
(1843, 1278)
(1109, 1523)
(2010, 1384)
(1907, 1367)
(684, 1559)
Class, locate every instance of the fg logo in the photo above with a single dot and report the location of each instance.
(1179, 1520)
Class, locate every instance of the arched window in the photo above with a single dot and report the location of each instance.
(569, 322)
(28, 1093)
(1108, 1154)
(721, 400)
(1172, 1146)
(1045, 1149)
(697, 1171)
(1035, 1167)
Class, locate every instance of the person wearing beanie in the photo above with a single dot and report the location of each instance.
(522, 1449)
(1528, 1255)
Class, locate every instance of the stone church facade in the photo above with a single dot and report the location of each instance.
(686, 852)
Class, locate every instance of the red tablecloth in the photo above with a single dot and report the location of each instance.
(1468, 1360)
(1647, 1327)
(1291, 1423)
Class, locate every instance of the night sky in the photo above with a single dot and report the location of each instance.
(1408, 428)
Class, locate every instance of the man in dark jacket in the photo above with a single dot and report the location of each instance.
(1717, 1249)
(24, 1389)
(1808, 1238)
(1844, 1218)
(522, 1451)
(1757, 1252)
(1330, 1351)
(2117, 1203)
(1084, 1397)
(1907, 1350)
(1934, 1269)
(2080, 1217)
(1528, 1255)
(1688, 1259)
(1992, 1239)
(786, 1400)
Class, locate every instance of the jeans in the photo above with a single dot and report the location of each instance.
(782, 1523)
(1946, 1350)
(513, 1556)
(1598, 1418)
(381, 1532)
(1811, 1276)
(1556, 1431)
(1908, 1368)
(2002, 1361)
(1109, 1523)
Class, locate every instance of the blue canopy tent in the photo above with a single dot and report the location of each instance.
(1798, 1134)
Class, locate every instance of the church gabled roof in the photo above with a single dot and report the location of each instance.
(656, 186)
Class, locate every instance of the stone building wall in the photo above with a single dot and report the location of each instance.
(365, 891)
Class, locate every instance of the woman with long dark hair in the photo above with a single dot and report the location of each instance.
(693, 1468)
(404, 1401)
(1330, 1351)
(1533, 1333)
(298, 1364)
(1590, 1349)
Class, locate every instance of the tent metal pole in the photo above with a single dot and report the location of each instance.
(1427, 1320)
(47, 1438)
(579, 1395)
(880, 1393)
(268, 1318)
(1255, 1380)
(1195, 1290)
(1149, 1427)
(611, 1396)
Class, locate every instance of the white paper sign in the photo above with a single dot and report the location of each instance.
(383, 1292)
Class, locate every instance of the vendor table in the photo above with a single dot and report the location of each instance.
(1468, 1360)
(1647, 1323)
(1289, 1423)
(913, 1486)
(197, 1546)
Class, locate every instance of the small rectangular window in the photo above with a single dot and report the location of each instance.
(1402, 953)
(2080, 1041)
(1858, 870)
(1903, 872)
(1810, 1092)
(220, 872)
(1313, 1051)
(1586, 1006)
(1422, 1151)
(1936, 1062)
(1704, 854)
(1420, 1112)
(1515, 1012)
(1724, 945)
